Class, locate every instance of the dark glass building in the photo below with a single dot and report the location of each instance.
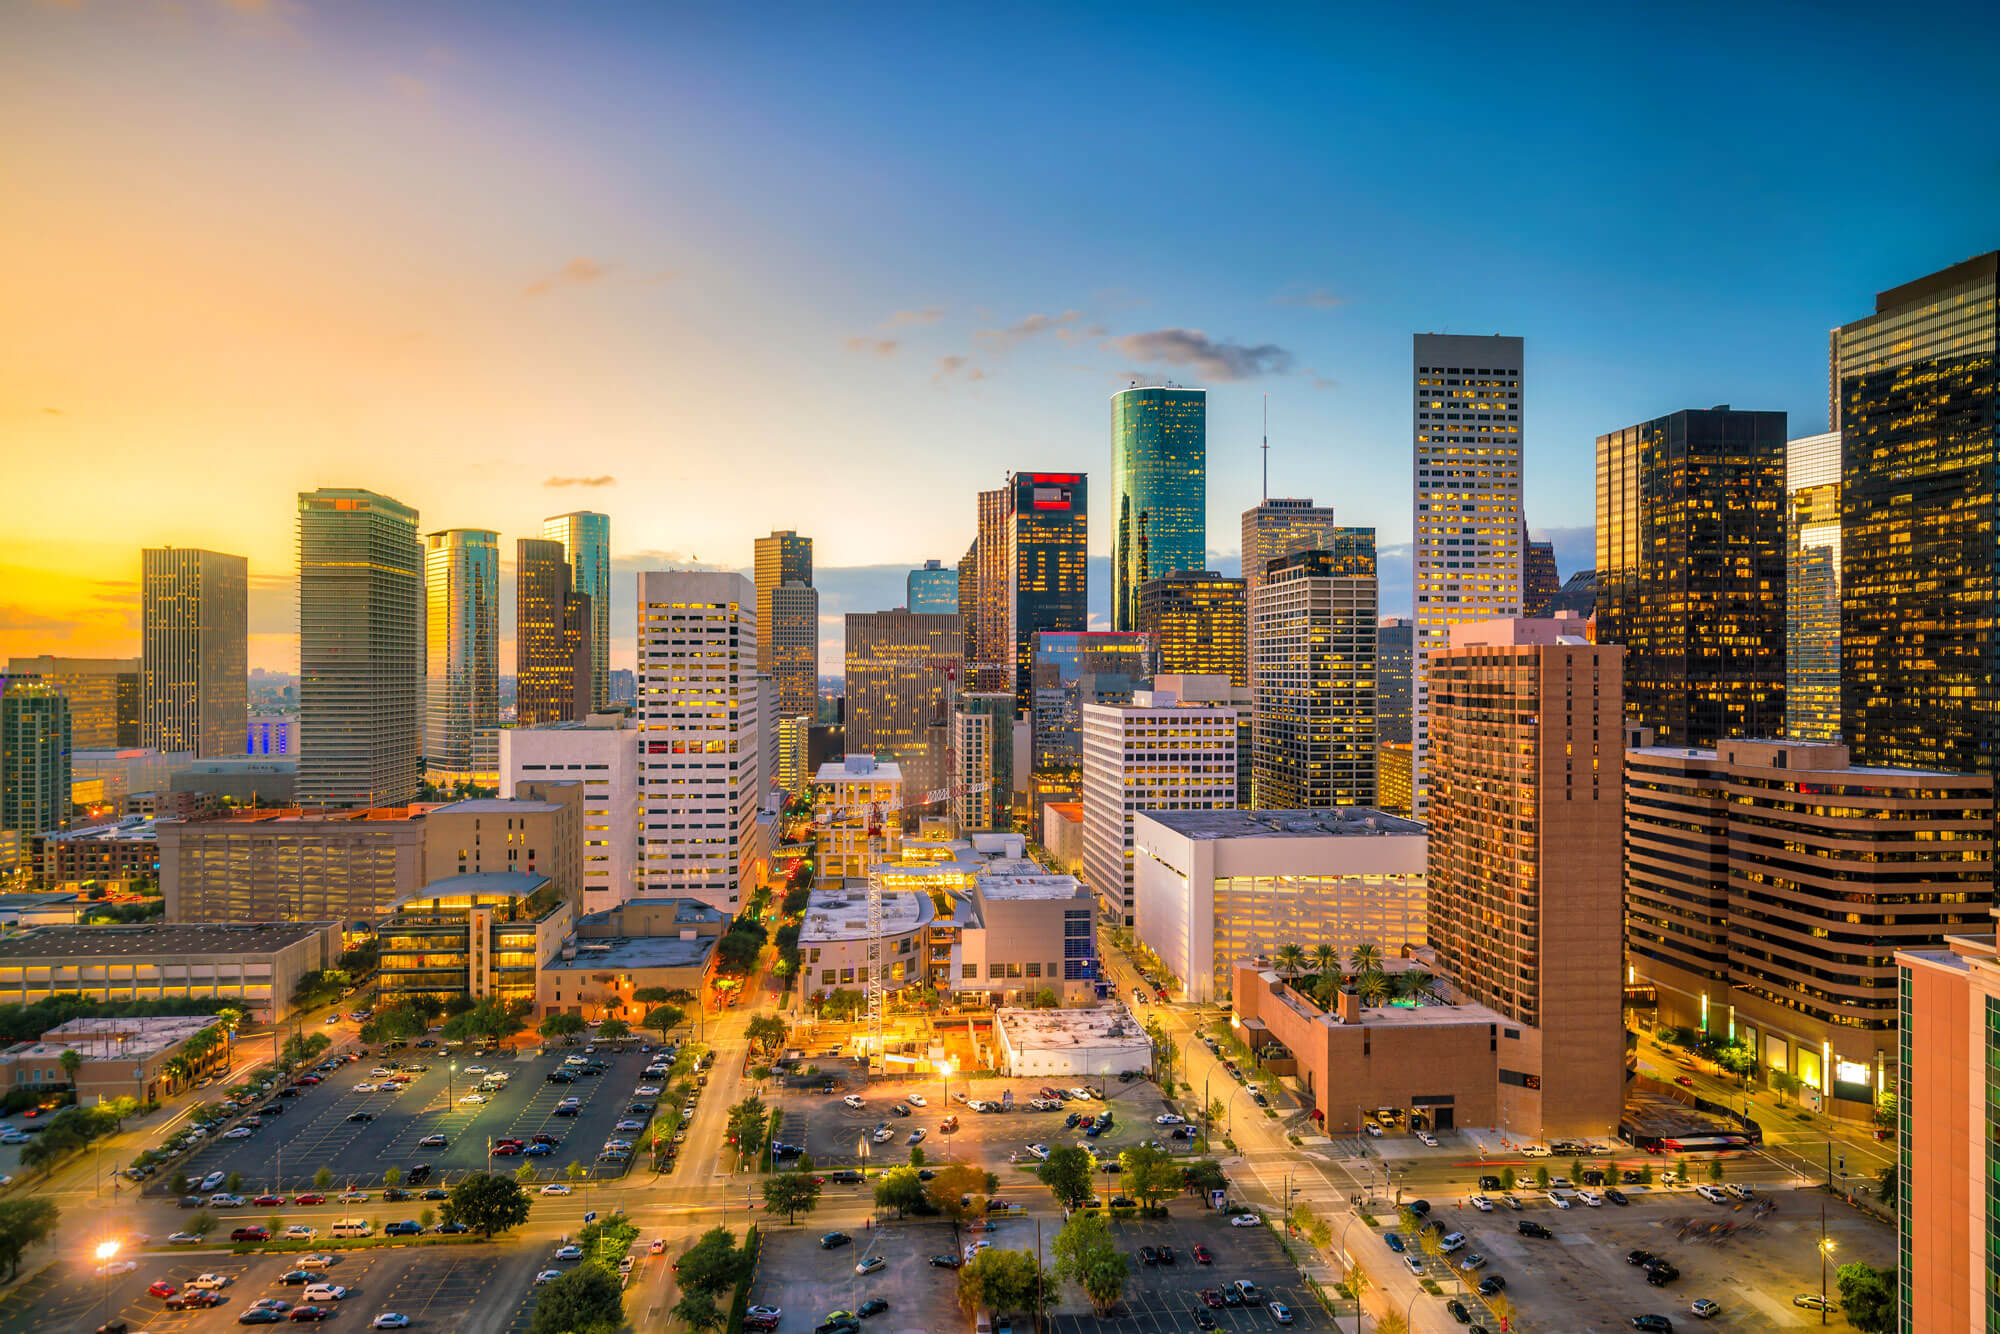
(1072, 669)
(1691, 571)
(1046, 529)
(1159, 490)
(1315, 719)
(1200, 624)
(1919, 546)
(553, 670)
(1539, 581)
(1393, 639)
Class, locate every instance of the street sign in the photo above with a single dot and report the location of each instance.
(590, 1217)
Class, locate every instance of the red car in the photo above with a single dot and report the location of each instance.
(302, 1314)
(1202, 1256)
(506, 1151)
(308, 1080)
(163, 1289)
(1684, 1081)
(195, 1299)
(250, 1234)
(268, 1201)
(311, 1197)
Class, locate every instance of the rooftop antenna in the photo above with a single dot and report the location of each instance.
(1267, 447)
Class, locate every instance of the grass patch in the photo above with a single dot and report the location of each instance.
(1369, 1219)
(1430, 1286)
(281, 1247)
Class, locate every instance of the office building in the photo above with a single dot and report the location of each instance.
(766, 688)
(1526, 906)
(485, 936)
(617, 953)
(290, 865)
(271, 734)
(116, 1058)
(902, 671)
(1769, 883)
(1047, 523)
(1017, 932)
(1216, 886)
(850, 798)
(1392, 776)
(1093, 1044)
(1394, 638)
(794, 752)
(112, 779)
(1467, 522)
(242, 780)
(1920, 555)
(554, 677)
(982, 753)
(701, 736)
(538, 830)
(255, 966)
(112, 856)
(195, 661)
(968, 582)
(462, 656)
(933, 590)
(1315, 694)
(793, 659)
(602, 754)
(987, 637)
(361, 650)
(1539, 581)
(1200, 624)
(586, 541)
(624, 687)
(1161, 752)
(103, 695)
(1074, 668)
(1691, 571)
(1578, 596)
(35, 759)
(1159, 490)
(782, 558)
(1812, 588)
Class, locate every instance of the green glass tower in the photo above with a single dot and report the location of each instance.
(34, 758)
(1159, 490)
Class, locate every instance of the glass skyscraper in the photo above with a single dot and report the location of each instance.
(553, 675)
(1071, 669)
(1315, 694)
(933, 590)
(586, 539)
(462, 655)
(1159, 490)
(1046, 531)
(195, 609)
(1200, 624)
(1812, 588)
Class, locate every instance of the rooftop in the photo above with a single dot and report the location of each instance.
(34, 902)
(1321, 822)
(1068, 810)
(478, 884)
(834, 915)
(189, 940)
(1792, 747)
(1014, 883)
(1042, 1030)
(1383, 1016)
(110, 1039)
(864, 768)
(300, 815)
(131, 829)
(497, 805)
(623, 953)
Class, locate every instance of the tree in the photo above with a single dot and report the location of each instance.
(698, 1311)
(322, 1178)
(1373, 986)
(1576, 1170)
(576, 1171)
(899, 1189)
(1165, 1055)
(737, 950)
(1505, 1313)
(748, 1121)
(1085, 1254)
(1541, 1176)
(790, 1194)
(1507, 1179)
(1150, 1174)
(1868, 1295)
(613, 1029)
(525, 1174)
(1003, 1281)
(201, 1222)
(233, 1183)
(768, 1031)
(180, 1183)
(1067, 1174)
(1885, 1184)
(1392, 1322)
(712, 1265)
(487, 1204)
(1326, 959)
(1291, 959)
(1681, 1170)
(664, 1019)
(956, 1191)
(24, 1221)
(586, 1300)
(426, 1218)
(392, 1176)
(1715, 1169)
(1366, 958)
(70, 1060)
(842, 1004)
(557, 1026)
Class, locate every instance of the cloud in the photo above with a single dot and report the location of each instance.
(1316, 298)
(1075, 335)
(949, 366)
(605, 480)
(903, 318)
(580, 270)
(19, 618)
(881, 347)
(1027, 328)
(1218, 360)
(1322, 382)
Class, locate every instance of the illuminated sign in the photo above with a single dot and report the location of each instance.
(1850, 1072)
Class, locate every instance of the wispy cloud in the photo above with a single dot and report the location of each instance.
(1027, 328)
(580, 270)
(904, 318)
(952, 366)
(1313, 298)
(1216, 359)
(606, 480)
(881, 347)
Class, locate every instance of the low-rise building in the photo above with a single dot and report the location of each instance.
(1065, 1044)
(1019, 931)
(53, 908)
(290, 864)
(121, 1058)
(112, 855)
(482, 934)
(1062, 834)
(258, 967)
(854, 795)
(641, 943)
(538, 831)
(1215, 886)
(112, 777)
(244, 780)
(834, 939)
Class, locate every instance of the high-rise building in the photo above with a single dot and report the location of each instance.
(462, 656)
(1467, 524)
(361, 649)
(103, 695)
(1919, 551)
(586, 539)
(933, 590)
(1539, 581)
(1578, 595)
(852, 797)
(1392, 776)
(537, 831)
(1812, 588)
(1160, 752)
(1768, 884)
(1314, 712)
(35, 750)
(1200, 624)
(1047, 525)
(1526, 897)
(1159, 490)
(1394, 636)
(624, 683)
(982, 761)
(794, 751)
(968, 584)
(988, 665)
(700, 735)
(554, 677)
(1691, 571)
(792, 660)
(1274, 528)
(195, 651)
(1074, 668)
(902, 672)
(602, 753)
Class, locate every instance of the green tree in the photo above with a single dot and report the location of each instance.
(1150, 1175)
(768, 1031)
(1868, 1296)
(663, 1019)
(322, 1178)
(233, 1183)
(842, 1004)
(1067, 1174)
(392, 1176)
(1507, 1178)
(487, 1204)
(1715, 1169)
(748, 1122)
(1365, 958)
(737, 950)
(24, 1221)
(180, 1183)
(1085, 1254)
(1166, 1056)
(576, 1171)
(698, 1311)
(1204, 1175)
(1373, 987)
(201, 1222)
(613, 1029)
(1291, 959)
(71, 1061)
(956, 1191)
(712, 1265)
(427, 1218)
(558, 1026)
(525, 1174)
(790, 1194)
(1002, 1282)
(586, 1300)
(899, 1189)
(1541, 1176)
(1885, 1184)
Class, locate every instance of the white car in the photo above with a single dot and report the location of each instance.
(389, 1320)
(1428, 1138)
(240, 1132)
(916, 1100)
(300, 1232)
(972, 1248)
(117, 1267)
(380, 1072)
(475, 1069)
(1740, 1192)
(1481, 1203)
(365, 1088)
(547, 1276)
(1246, 1220)
(353, 1197)
(570, 1252)
(1713, 1194)
(471, 1099)
(1372, 1129)
(557, 1188)
(210, 1281)
(1558, 1199)
(883, 1136)
(1040, 1151)
(1169, 1119)
(851, 1100)
(1080, 1094)
(183, 1238)
(1591, 1198)
(646, 1091)
(1535, 1151)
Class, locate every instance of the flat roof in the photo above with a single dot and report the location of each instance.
(882, 771)
(1044, 1030)
(514, 884)
(1317, 822)
(1386, 1016)
(131, 829)
(499, 805)
(29, 901)
(110, 1039)
(623, 952)
(1866, 770)
(1014, 885)
(834, 915)
(191, 939)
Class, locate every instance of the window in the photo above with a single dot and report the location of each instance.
(1034, 970)
(968, 972)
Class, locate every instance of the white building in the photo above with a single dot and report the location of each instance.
(1216, 887)
(1154, 754)
(768, 792)
(849, 793)
(602, 753)
(794, 741)
(1065, 1044)
(833, 939)
(1466, 421)
(699, 735)
(1017, 931)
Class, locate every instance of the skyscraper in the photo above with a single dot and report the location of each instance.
(586, 539)
(1274, 528)
(903, 671)
(195, 651)
(982, 762)
(699, 735)
(968, 584)
(462, 656)
(361, 649)
(1393, 637)
(1691, 571)
(1072, 669)
(1539, 581)
(1047, 527)
(1314, 721)
(933, 590)
(1467, 422)
(1812, 588)
(790, 652)
(987, 644)
(103, 695)
(1199, 622)
(554, 676)
(34, 759)
(1159, 490)
(1919, 550)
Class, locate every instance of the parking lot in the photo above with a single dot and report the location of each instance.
(316, 1129)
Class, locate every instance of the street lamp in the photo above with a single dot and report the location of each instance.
(107, 1249)
(1825, 1249)
(945, 1067)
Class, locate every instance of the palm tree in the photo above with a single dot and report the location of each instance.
(1373, 986)
(1291, 959)
(1325, 958)
(1418, 980)
(70, 1060)
(1366, 958)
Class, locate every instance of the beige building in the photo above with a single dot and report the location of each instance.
(121, 1058)
(290, 865)
(1065, 1044)
(1769, 883)
(849, 796)
(103, 695)
(601, 753)
(539, 831)
(642, 943)
(1019, 931)
(834, 940)
(1274, 528)
(1062, 834)
(901, 670)
(257, 966)
(194, 692)
(483, 934)
(1526, 890)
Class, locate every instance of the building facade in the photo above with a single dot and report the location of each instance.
(1074, 668)
(986, 636)
(554, 678)
(1539, 580)
(1812, 588)
(586, 541)
(602, 754)
(1199, 622)
(1467, 421)
(258, 966)
(1314, 723)
(35, 759)
(1019, 931)
(195, 658)
(982, 759)
(1159, 490)
(794, 751)
(794, 657)
(483, 936)
(538, 830)
(1691, 571)
(933, 590)
(103, 695)
(361, 649)
(289, 865)
(1526, 895)
(901, 673)
(462, 656)
(849, 798)
(1047, 525)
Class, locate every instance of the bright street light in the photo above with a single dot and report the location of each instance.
(105, 1250)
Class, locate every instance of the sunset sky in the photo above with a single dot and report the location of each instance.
(720, 269)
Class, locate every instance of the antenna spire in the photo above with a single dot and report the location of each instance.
(1267, 446)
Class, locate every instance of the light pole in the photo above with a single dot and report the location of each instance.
(945, 1068)
(107, 1249)
(1825, 1249)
